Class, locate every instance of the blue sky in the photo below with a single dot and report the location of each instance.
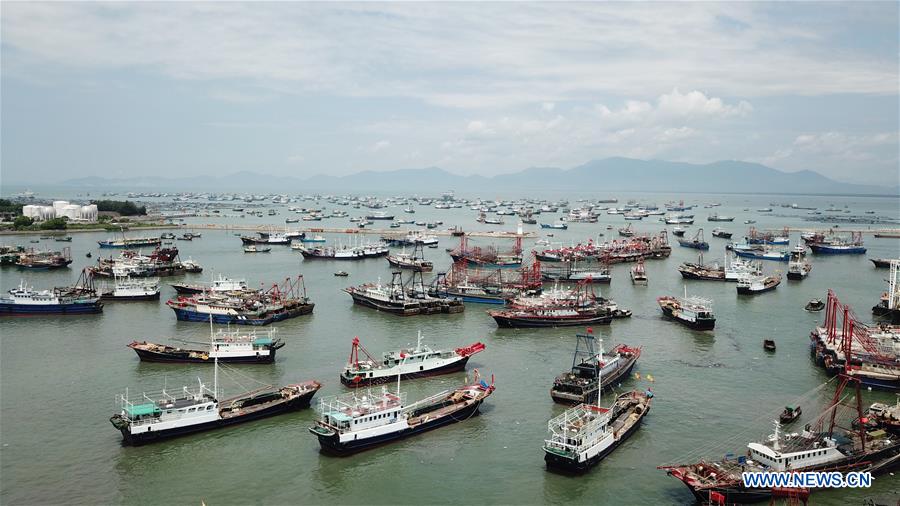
(307, 88)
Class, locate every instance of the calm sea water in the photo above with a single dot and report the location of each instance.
(714, 391)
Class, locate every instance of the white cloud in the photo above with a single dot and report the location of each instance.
(695, 103)
(463, 55)
(548, 106)
(380, 146)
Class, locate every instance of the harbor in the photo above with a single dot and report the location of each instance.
(675, 362)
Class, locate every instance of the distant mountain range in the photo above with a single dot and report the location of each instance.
(604, 176)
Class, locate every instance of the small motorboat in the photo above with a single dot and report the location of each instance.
(88, 254)
(252, 248)
(768, 345)
(881, 263)
(749, 222)
(815, 305)
(678, 231)
(790, 414)
(342, 273)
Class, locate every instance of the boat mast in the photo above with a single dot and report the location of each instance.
(215, 361)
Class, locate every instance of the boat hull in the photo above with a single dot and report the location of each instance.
(332, 446)
(515, 322)
(297, 403)
(54, 309)
(151, 296)
(457, 366)
(185, 358)
(824, 249)
(197, 316)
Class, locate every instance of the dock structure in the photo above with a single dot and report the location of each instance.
(386, 232)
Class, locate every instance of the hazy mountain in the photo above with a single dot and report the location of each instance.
(605, 176)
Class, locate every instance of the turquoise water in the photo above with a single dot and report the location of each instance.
(714, 391)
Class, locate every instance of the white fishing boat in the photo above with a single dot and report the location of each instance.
(127, 288)
(407, 363)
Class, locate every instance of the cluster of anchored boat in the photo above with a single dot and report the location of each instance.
(371, 412)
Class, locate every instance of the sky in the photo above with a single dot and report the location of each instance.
(174, 89)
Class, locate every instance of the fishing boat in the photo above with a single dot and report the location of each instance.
(770, 238)
(798, 267)
(221, 284)
(63, 239)
(342, 274)
(361, 420)
(380, 215)
(413, 261)
(760, 252)
(490, 256)
(130, 242)
(639, 274)
(694, 312)
(24, 300)
(626, 231)
(881, 263)
(162, 415)
(790, 414)
(719, 217)
(559, 225)
(678, 231)
(570, 271)
(815, 305)
(396, 299)
(253, 248)
(251, 307)
(407, 363)
(702, 271)
(593, 371)
(558, 308)
(721, 233)
(44, 260)
(226, 346)
(752, 284)
(266, 238)
(835, 245)
(313, 239)
(884, 416)
(697, 242)
(132, 289)
(831, 443)
(584, 435)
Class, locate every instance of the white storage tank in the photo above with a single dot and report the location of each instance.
(70, 211)
(89, 213)
(46, 213)
(30, 210)
(59, 205)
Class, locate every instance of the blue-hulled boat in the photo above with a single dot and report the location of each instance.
(697, 242)
(59, 301)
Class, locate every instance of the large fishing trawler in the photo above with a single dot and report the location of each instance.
(694, 312)
(226, 346)
(362, 419)
(257, 307)
(77, 299)
(408, 363)
(593, 371)
(163, 415)
(584, 435)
